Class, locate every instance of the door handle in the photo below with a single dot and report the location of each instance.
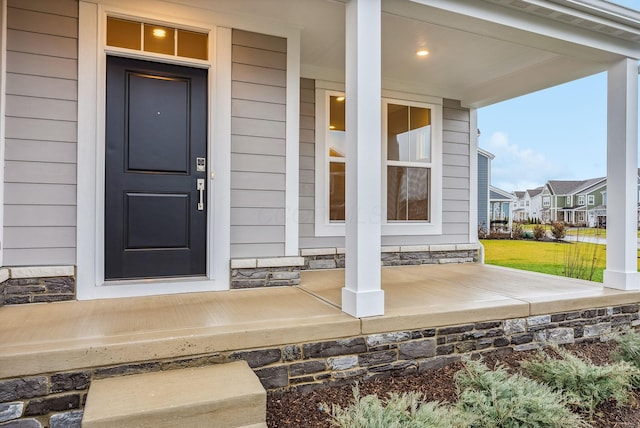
(200, 189)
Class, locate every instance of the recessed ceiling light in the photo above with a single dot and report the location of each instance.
(422, 52)
(160, 33)
(332, 127)
(340, 99)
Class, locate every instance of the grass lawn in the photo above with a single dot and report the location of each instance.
(588, 231)
(546, 257)
(581, 231)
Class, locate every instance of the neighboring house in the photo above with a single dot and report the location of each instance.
(518, 206)
(500, 205)
(484, 184)
(533, 203)
(563, 200)
(591, 204)
(156, 147)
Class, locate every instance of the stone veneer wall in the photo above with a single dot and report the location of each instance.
(21, 285)
(56, 399)
(269, 272)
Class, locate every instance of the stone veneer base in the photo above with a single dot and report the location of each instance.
(247, 273)
(57, 399)
(38, 290)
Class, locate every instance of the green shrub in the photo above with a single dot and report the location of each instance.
(398, 411)
(501, 400)
(539, 232)
(558, 230)
(582, 382)
(629, 350)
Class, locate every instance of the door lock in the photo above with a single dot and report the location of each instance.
(201, 165)
(200, 189)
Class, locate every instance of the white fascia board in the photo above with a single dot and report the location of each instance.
(537, 29)
(485, 153)
(504, 193)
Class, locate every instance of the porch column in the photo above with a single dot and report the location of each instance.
(622, 176)
(362, 295)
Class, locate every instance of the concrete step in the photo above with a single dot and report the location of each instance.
(223, 395)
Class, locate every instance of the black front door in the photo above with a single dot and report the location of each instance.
(155, 195)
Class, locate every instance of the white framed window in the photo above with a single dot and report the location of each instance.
(546, 201)
(569, 200)
(581, 200)
(604, 198)
(591, 199)
(411, 150)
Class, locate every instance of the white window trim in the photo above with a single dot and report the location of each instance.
(323, 227)
(91, 99)
(546, 201)
(581, 200)
(591, 199)
(569, 200)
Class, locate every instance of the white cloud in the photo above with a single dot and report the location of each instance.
(516, 168)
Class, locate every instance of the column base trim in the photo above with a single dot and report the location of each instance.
(621, 280)
(363, 304)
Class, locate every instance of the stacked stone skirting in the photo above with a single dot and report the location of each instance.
(279, 271)
(57, 399)
(37, 284)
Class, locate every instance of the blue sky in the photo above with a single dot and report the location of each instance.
(556, 134)
(559, 133)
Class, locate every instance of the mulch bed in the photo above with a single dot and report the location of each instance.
(304, 409)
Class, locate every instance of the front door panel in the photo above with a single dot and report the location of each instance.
(156, 127)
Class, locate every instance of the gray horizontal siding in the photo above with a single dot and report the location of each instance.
(39, 216)
(258, 128)
(40, 151)
(41, 132)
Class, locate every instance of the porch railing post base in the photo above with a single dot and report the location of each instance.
(621, 280)
(363, 304)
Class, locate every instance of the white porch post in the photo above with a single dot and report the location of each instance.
(362, 295)
(622, 176)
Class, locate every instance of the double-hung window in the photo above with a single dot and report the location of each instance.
(408, 162)
(591, 199)
(411, 184)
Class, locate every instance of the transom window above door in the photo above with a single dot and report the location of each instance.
(411, 150)
(154, 38)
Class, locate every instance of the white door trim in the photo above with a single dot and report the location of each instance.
(91, 124)
(91, 98)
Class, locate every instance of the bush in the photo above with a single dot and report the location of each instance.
(517, 231)
(539, 232)
(501, 400)
(629, 350)
(581, 260)
(582, 382)
(558, 230)
(398, 411)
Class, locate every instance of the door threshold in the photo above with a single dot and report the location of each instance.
(146, 281)
(150, 287)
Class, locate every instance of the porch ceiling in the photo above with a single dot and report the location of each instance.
(481, 52)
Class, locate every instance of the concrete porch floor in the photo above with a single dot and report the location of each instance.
(52, 337)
